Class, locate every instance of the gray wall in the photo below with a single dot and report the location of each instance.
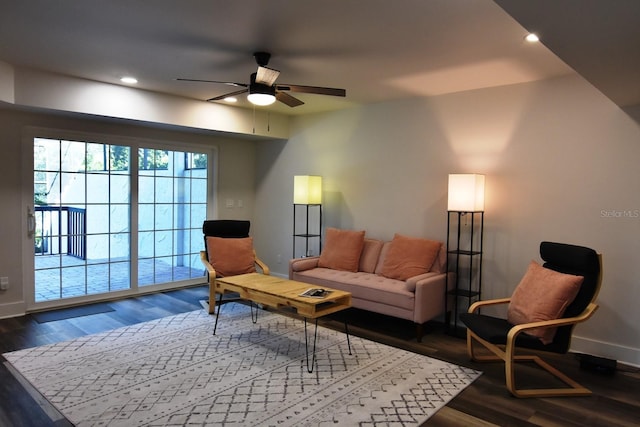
(560, 164)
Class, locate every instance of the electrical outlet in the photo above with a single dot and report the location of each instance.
(279, 259)
(4, 283)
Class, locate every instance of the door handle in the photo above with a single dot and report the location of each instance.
(31, 222)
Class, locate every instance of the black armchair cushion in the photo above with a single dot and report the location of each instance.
(495, 330)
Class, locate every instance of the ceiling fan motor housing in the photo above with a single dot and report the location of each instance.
(262, 58)
(260, 88)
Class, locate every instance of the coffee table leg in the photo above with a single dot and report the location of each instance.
(254, 318)
(215, 326)
(346, 331)
(315, 336)
(306, 345)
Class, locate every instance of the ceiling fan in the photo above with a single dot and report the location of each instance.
(263, 90)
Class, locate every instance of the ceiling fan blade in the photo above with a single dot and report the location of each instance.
(214, 81)
(287, 99)
(266, 76)
(313, 89)
(226, 95)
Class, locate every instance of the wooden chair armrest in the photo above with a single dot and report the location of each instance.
(476, 305)
(205, 261)
(265, 269)
(587, 313)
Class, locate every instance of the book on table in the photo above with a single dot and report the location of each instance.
(315, 293)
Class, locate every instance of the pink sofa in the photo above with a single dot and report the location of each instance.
(419, 298)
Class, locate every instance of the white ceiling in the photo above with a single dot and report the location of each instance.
(378, 50)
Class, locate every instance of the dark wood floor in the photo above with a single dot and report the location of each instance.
(615, 402)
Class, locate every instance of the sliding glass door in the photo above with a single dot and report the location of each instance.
(172, 204)
(113, 217)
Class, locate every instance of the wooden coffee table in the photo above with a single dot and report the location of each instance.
(276, 292)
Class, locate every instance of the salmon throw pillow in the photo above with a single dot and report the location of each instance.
(409, 256)
(342, 249)
(231, 256)
(542, 294)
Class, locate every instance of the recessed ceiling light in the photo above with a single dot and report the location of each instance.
(129, 80)
(532, 38)
(231, 99)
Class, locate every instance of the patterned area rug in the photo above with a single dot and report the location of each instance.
(174, 372)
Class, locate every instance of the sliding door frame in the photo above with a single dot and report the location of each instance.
(27, 210)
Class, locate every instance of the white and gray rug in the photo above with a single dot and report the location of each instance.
(174, 372)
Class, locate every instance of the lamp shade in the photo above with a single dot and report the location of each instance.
(466, 192)
(307, 190)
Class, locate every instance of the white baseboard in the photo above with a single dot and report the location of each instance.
(626, 355)
(13, 309)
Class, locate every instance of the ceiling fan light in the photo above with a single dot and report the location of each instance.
(261, 95)
(261, 99)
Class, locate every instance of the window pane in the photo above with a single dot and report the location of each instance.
(119, 219)
(96, 160)
(146, 244)
(119, 246)
(97, 219)
(119, 189)
(99, 185)
(146, 188)
(72, 156)
(163, 217)
(199, 190)
(163, 243)
(119, 158)
(97, 248)
(73, 188)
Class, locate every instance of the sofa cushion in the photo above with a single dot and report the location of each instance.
(542, 294)
(383, 255)
(363, 286)
(342, 249)
(231, 256)
(370, 254)
(409, 256)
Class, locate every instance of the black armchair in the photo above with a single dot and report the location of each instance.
(228, 252)
(502, 338)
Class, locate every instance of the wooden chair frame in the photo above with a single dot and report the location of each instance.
(506, 353)
(211, 273)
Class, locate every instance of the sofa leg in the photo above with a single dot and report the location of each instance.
(419, 332)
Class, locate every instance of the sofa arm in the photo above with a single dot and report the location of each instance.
(302, 264)
(429, 297)
(412, 282)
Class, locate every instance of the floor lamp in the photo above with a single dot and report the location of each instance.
(307, 194)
